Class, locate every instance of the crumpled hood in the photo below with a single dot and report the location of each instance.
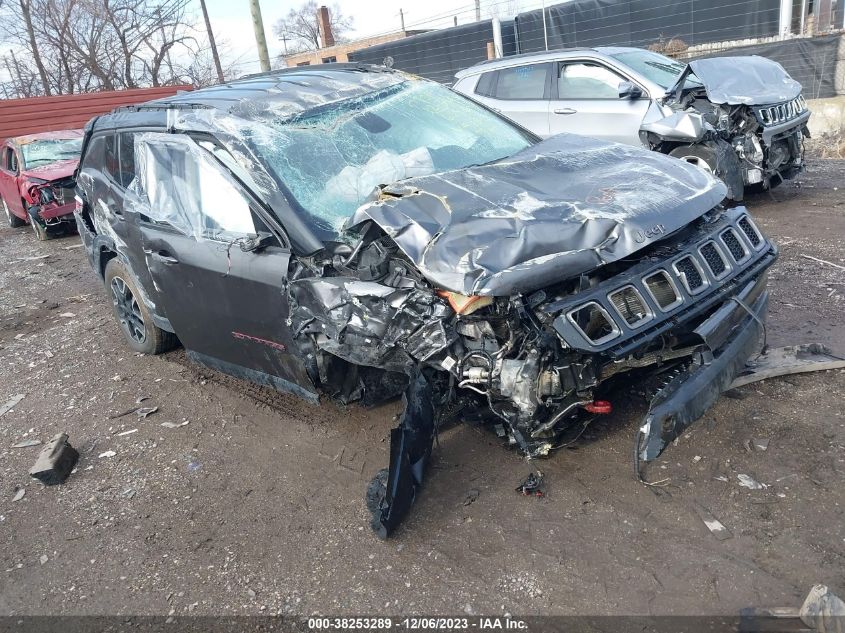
(54, 171)
(750, 80)
(557, 209)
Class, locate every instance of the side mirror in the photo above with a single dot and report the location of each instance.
(628, 90)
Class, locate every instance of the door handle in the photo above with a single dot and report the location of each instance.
(565, 111)
(163, 257)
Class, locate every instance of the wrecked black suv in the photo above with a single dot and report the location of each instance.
(357, 232)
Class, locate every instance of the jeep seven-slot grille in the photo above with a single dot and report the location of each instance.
(714, 260)
(736, 248)
(750, 232)
(610, 314)
(690, 275)
(782, 112)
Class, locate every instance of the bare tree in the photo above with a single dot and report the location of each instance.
(26, 17)
(83, 45)
(300, 29)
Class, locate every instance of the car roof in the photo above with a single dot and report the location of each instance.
(58, 135)
(296, 89)
(540, 56)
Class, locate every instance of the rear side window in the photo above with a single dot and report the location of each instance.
(485, 84)
(522, 82)
(126, 158)
(94, 154)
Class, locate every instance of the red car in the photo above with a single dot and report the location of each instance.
(36, 180)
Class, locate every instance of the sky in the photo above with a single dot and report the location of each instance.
(232, 24)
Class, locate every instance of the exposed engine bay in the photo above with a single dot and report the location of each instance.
(748, 130)
(529, 365)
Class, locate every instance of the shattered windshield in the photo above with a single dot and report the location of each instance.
(334, 158)
(655, 67)
(40, 153)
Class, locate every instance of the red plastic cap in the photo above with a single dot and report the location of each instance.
(599, 406)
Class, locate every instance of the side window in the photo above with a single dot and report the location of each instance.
(580, 80)
(126, 158)
(484, 87)
(522, 82)
(94, 154)
(10, 160)
(111, 164)
(183, 185)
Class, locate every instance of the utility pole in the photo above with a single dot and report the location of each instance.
(212, 43)
(478, 10)
(402, 19)
(545, 32)
(260, 39)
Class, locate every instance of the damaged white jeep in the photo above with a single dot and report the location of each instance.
(360, 233)
(741, 118)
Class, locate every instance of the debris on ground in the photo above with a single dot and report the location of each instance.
(533, 485)
(823, 261)
(760, 444)
(746, 481)
(129, 432)
(26, 443)
(44, 558)
(55, 461)
(716, 527)
(783, 361)
(19, 494)
(174, 425)
(823, 611)
(145, 412)
(11, 403)
(471, 496)
(107, 454)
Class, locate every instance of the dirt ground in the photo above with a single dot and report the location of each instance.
(255, 504)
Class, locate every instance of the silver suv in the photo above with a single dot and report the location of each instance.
(742, 118)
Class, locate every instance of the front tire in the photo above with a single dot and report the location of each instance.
(699, 155)
(40, 231)
(13, 220)
(133, 316)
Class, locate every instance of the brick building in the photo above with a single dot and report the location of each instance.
(339, 52)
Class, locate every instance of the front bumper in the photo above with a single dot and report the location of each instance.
(737, 329)
(50, 213)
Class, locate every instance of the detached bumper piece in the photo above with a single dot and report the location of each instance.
(392, 492)
(735, 333)
(55, 461)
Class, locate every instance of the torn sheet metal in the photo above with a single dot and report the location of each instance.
(750, 80)
(783, 361)
(179, 183)
(555, 210)
(369, 323)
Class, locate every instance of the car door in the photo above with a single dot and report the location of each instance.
(585, 100)
(225, 298)
(521, 93)
(9, 171)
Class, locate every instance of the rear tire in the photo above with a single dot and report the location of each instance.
(133, 316)
(13, 220)
(699, 155)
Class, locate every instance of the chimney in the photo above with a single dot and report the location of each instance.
(325, 25)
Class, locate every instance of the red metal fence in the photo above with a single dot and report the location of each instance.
(65, 112)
